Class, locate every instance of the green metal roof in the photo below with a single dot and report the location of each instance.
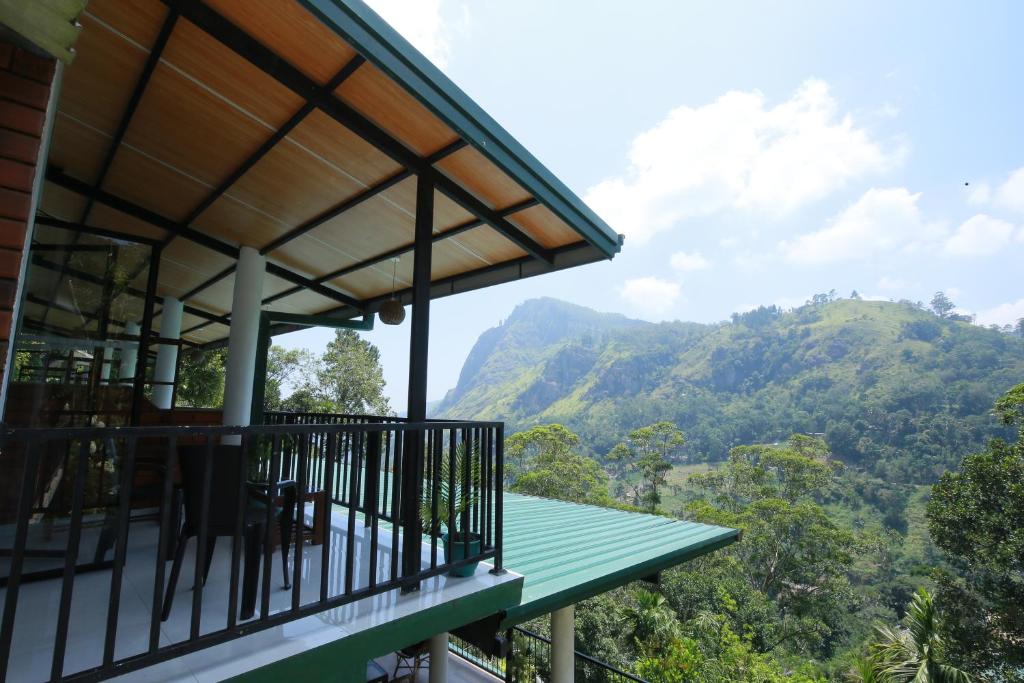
(380, 44)
(569, 552)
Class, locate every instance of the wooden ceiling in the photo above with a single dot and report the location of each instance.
(206, 127)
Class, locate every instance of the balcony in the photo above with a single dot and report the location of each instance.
(100, 517)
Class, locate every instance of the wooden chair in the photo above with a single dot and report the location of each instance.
(411, 659)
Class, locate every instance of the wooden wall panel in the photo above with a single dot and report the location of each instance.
(544, 227)
(386, 103)
(153, 185)
(473, 171)
(98, 84)
(236, 223)
(137, 20)
(77, 149)
(323, 136)
(220, 69)
(294, 34)
(191, 129)
(61, 203)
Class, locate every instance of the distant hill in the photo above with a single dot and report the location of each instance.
(894, 389)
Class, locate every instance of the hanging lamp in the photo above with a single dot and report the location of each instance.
(392, 312)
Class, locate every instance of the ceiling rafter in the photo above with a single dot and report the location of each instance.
(287, 75)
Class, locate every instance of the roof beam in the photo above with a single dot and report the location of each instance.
(95, 280)
(92, 230)
(67, 182)
(297, 118)
(287, 75)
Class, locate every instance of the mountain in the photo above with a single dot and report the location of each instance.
(895, 389)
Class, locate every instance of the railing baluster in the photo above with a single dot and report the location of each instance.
(452, 450)
(124, 496)
(165, 536)
(499, 488)
(268, 546)
(396, 501)
(435, 491)
(302, 455)
(236, 538)
(28, 482)
(372, 504)
(325, 554)
(199, 579)
(70, 559)
(350, 531)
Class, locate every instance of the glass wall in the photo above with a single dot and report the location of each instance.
(76, 350)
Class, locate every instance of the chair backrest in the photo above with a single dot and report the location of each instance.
(224, 486)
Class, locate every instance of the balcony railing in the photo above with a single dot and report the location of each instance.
(103, 506)
(529, 660)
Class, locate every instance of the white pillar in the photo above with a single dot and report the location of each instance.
(563, 644)
(243, 338)
(167, 354)
(439, 658)
(108, 357)
(129, 354)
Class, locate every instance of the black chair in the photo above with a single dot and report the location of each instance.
(221, 517)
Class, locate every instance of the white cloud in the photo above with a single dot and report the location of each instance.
(1004, 314)
(891, 284)
(736, 152)
(1010, 195)
(687, 262)
(979, 235)
(981, 193)
(882, 221)
(421, 23)
(650, 294)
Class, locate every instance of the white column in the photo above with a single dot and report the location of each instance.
(108, 357)
(439, 658)
(129, 354)
(167, 354)
(563, 644)
(243, 338)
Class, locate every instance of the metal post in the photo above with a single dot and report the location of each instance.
(138, 392)
(563, 645)
(412, 464)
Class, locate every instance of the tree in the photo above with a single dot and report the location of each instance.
(942, 305)
(915, 652)
(522, 449)
(1018, 329)
(541, 462)
(976, 517)
(350, 375)
(648, 452)
(288, 369)
(793, 553)
(201, 378)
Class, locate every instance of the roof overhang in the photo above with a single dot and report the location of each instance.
(569, 552)
(298, 128)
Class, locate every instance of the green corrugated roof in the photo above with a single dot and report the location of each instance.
(569, 552)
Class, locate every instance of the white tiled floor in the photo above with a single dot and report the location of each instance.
(35, 627)
(459, 671)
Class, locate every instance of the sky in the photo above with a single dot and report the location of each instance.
(751, 153)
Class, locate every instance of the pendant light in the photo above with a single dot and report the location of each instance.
(392, 312)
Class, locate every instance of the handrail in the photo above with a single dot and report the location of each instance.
(63, 474)
(524, 662)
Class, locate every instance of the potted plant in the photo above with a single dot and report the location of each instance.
(456, 501)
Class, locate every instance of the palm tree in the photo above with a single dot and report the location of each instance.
(913, 652)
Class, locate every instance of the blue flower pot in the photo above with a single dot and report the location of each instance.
(453, 552)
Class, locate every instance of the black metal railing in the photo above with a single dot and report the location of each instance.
(84, 501)
(529, 660)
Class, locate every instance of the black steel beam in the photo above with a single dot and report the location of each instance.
(270, 63)
(73, 184)
(289, 125)
(92, 230)
(336, 210)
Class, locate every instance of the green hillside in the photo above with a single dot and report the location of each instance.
(894, 388)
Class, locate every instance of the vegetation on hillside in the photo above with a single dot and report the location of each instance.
(896, 390)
